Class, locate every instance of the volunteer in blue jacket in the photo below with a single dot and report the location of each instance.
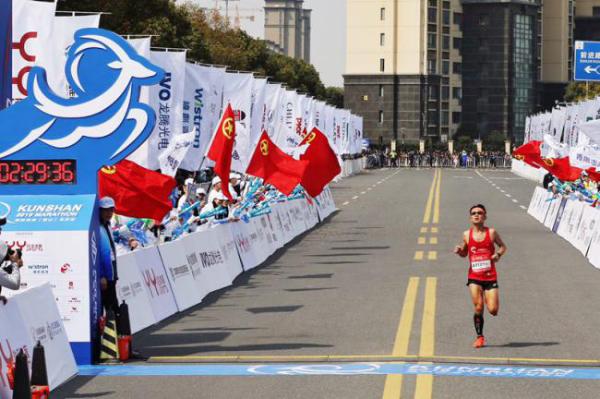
(108, 257)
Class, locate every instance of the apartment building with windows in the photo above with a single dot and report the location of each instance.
(403, 68)
(287, 27)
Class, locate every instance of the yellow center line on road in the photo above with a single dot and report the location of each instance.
(424, 229)
(432, 255)
(419, 255)
(427, 215)
(393, 382)
(421, 241)
(424, 387)
(433, 240)
(436, 208)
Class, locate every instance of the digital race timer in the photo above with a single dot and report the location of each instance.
(38, 172)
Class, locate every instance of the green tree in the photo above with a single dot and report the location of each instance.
(579, 91)
(209, 39)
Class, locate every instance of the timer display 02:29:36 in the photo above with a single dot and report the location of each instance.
(38, 172)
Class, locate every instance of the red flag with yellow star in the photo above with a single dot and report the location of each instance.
(222, 147)
(275, 166)
(138, 192)
(323, 163)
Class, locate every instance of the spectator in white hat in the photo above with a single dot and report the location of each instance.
(183, 200)
(215, 188)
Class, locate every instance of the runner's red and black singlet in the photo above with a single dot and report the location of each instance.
(481, 265)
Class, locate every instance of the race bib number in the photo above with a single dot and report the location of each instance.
(481, 265)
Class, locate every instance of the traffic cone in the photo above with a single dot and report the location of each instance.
(39, 376)
(109, 349)
(124, 330)
(22, 389)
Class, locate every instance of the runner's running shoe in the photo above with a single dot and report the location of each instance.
(479, 342)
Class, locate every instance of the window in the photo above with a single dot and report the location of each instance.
(457, 68)
(382, 39)
(431, 40)
(445, 93)
(484, 19)
(456, 118)
(458, 18)
(382, 14)
(446, 42)
(381, 91)
(457, 43)
(432, 3)
(445, 67)
(382, 64)
(433, 93)
(446, 17)
(381, 117)
(431, 68)
(596, 11)
(432, 15)
(445, 116)
(446, 5)
(456, 93)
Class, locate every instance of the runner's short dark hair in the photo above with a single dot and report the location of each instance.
(477, 206)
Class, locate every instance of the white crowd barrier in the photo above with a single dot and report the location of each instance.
(30, 317)
(157, 282)
(520, 168)
(351, 167)
(575, 221)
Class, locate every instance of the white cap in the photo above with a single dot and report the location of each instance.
(234, 176)
(188, 181)
(216, 180)
(3, 250)
(106, 203)
(221, 197)
(200, 190)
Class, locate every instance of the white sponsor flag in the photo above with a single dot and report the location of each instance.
(319, 116)
(142, 153)
(284, 132)
(585, 156)
(32, 23)
(259, 113)
(591, 130)
(557, 122)
(179, 149)
(166, 99)
(274, 97)
(194, 107)
(551, 148)
(237, 91)
(53, 54)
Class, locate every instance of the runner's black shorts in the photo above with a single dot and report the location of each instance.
(486, 285)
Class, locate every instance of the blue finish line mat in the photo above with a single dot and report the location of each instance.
(342, 369)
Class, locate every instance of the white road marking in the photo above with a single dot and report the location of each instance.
(508, 195)
(355, 197)
(522, 207)
(502, 191)
(363, 192)
(369, 189)
(515, 201)
(345, 203)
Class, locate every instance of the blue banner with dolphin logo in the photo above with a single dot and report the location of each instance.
(55, 145)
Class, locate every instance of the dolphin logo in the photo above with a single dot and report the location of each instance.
(103, 123)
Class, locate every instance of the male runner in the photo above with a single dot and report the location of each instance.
(479, 243)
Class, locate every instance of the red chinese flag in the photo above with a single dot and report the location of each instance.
(561, 168)
(138, 192)
(530, 153)
(323, 165)
(222, 147)
(593, 174)
(275, 166)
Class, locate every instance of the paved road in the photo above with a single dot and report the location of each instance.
(376, 290)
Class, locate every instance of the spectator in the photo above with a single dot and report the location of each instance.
(108, 257)
(10, 269)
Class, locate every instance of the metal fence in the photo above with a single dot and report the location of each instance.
(440, 160)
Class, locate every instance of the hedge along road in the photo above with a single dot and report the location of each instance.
(373, 304)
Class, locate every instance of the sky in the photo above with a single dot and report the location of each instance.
(328, 36)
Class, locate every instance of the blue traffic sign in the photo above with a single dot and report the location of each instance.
(587, 60)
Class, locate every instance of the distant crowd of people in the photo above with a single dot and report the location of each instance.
(438, 159)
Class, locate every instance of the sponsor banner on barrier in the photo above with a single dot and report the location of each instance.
(180, 275)
(131, 289)
(593, 253)
(211, 272)
(47, 260)
(538, 207)
(29, 317)
(559, 214)
(572, 224)
(552, 211)
(226, 242)
(246, 240)
(156, 283)
(589, 222)
(325, 204)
